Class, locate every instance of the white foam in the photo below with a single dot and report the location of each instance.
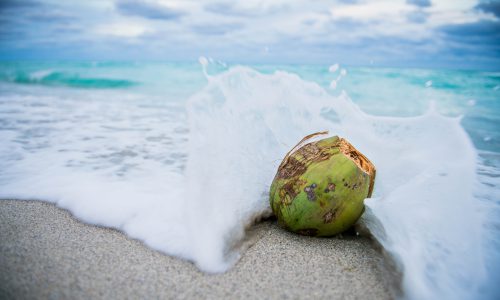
(188, 187)
(39, 75)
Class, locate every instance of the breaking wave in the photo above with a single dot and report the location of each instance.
(59, 78)
(187, 178)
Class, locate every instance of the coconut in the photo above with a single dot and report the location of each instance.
(320, 187)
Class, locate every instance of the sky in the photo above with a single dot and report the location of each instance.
(408, 33)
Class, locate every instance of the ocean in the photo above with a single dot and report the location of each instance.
(181, 155)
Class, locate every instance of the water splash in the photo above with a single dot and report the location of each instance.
(187, 180)
(333, 69)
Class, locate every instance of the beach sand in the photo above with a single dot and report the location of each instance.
(47, 253)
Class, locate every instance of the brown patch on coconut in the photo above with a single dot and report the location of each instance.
(360, 160)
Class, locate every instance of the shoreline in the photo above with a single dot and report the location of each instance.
(47, 253)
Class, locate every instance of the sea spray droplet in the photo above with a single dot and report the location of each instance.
(320, 188)
(333, 68)
(343, 72)
(428, 83)
(204, 64)
(203, 60)
(333, 84)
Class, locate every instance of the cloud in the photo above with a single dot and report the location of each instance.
(368, 11)
(418, 16)
(490, 7)
(223, 8)
(147, 9)
(216, 29)
(302, 31)
(16, 4)
(24, 12)
(50, 16)
(478, 33)
(24, 21)
(67, 30)
(473, 44)
(7, 34)
(15, 10)
(349, 1)
(420, 3)
(125, 29)
(245, 10)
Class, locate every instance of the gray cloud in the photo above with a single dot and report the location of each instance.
(309, 22)
(64, 30)
(147, 10)
(50, 16)
(476, 34)
(28, 12)
(12, 10)
(223, 8)
(472, 44)
(27, 20)
(16, 4)
(349, 1)
(344, 25)
(230, 8)
(420, 3)
(216, 29)
(490, 6)
(418, 16)
(10, 34)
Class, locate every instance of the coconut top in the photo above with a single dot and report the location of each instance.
(296, 161)
(357, 157)
(360, 160)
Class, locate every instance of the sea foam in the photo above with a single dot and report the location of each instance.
(186, 179)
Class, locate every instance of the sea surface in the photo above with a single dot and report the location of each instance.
(181, 155)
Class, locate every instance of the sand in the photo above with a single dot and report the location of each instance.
(46, 253)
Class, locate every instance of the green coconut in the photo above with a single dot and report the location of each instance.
(320, 187)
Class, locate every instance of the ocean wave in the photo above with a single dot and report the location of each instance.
(67, 79)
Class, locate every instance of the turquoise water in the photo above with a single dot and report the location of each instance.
(114, 141)
(395, 92)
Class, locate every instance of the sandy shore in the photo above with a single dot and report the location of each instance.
(46, 253)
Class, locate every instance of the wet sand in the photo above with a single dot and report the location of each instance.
(47, 253)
